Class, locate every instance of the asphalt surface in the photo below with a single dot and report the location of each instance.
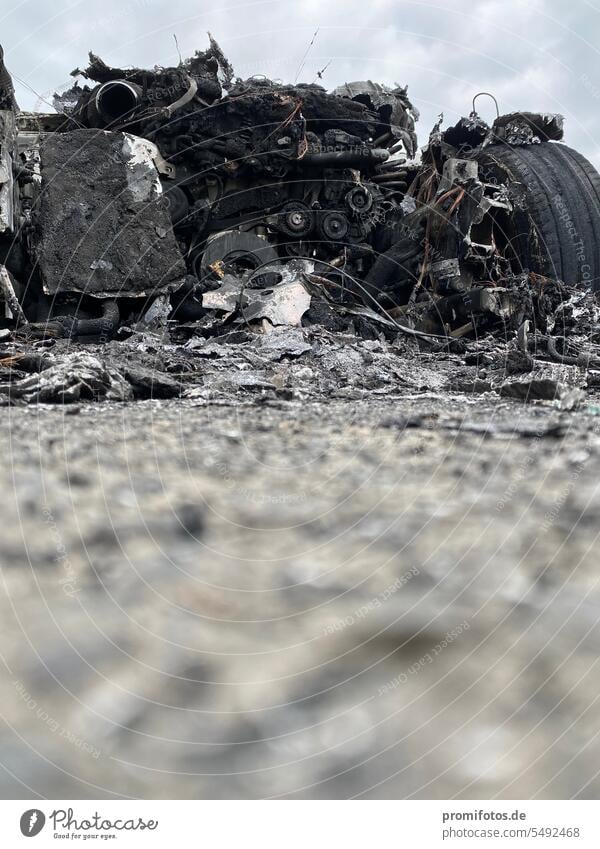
(383, 593)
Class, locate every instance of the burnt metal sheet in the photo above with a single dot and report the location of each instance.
(102, 228)
(7, 190)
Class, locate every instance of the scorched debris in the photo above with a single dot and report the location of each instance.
(188, 200)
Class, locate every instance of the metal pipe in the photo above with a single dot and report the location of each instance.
(382, 139)
(345, 158)
(392, 177)
(7, 289)
(115, 100)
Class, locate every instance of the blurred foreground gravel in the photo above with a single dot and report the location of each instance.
(376, 597)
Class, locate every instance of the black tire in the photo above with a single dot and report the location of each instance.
(563, 200)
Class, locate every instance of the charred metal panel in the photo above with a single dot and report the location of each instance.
(7, 191)
(102, 227)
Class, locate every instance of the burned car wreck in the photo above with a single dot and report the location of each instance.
(187, 199)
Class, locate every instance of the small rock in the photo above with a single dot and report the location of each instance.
(191, 518)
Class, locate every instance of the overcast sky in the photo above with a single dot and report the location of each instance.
(534, 55)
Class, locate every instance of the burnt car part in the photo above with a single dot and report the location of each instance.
(557, 233)
(499, 213)
(165, 192)
(113, 101)
(101, 226)
(84, 220)
(8, 164)
(305, 172)
(7, 288)
(71, 326)
(7, 91)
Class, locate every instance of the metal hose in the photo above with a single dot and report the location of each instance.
(358, 157)
(69, 326)
(104, 326)
(583, 360)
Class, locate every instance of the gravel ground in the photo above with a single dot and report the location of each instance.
(384, 592)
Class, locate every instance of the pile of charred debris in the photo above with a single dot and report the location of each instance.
(178, 230)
